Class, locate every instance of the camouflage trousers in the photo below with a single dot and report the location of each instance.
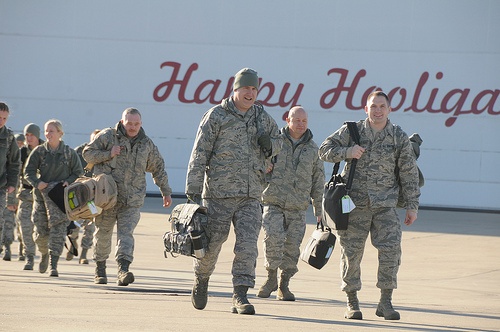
(4, 229)
(283, 234)
(126, 219)
(88, 233)
(49, 236)
(24, 211)
(245, 214)
(384, 227)
(9, 225)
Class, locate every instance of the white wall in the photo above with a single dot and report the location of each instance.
(83, 62)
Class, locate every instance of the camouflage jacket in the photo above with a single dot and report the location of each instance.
(129, 168)
(375, 183)
(226, 160)
(297, 175)
(48, 166)
(10, 162)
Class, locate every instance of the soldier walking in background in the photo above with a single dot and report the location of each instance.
(127, 153)
(25, 195)
(11, 227)
(296, 175)
(227, 169)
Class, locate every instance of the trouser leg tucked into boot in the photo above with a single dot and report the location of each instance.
(199, 295)
(30, 262)
(7, 256)
(83, 257)
(125, 277)
(353, 311)
(284, 293)
(100, 273)
(270, 285)
(53, 266)
(384, 308)
(240, 301)
(44, 263)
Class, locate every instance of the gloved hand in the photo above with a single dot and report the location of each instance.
(195, 198)
(265, 143)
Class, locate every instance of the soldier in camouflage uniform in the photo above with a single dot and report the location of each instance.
(9, 173)
(48, 165)
(9, 216)
(375, 192)
(25, 195)
(127, 154)
(296, 176)
(227, 169)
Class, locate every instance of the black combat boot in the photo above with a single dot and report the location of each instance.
(125, 277)
(8, 254)
(30, 262)
(53, 265)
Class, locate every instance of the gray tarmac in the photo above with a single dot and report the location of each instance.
(449, 280)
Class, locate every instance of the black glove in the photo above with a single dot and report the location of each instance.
(265, 144)
(195, 198)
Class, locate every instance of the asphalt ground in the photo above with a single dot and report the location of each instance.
(449, 280)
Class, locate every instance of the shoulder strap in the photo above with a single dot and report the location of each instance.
(353, 131)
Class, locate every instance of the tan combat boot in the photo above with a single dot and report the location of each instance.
(240, 301)
(384, 308)
(270, 285)
(284, 293)
(100, 276)
(353, 311)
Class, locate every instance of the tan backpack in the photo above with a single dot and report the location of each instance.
(87, 197)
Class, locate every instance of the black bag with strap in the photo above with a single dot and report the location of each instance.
(336, 189)
(319, 247)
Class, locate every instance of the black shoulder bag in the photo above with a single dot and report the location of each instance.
(336, 188)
